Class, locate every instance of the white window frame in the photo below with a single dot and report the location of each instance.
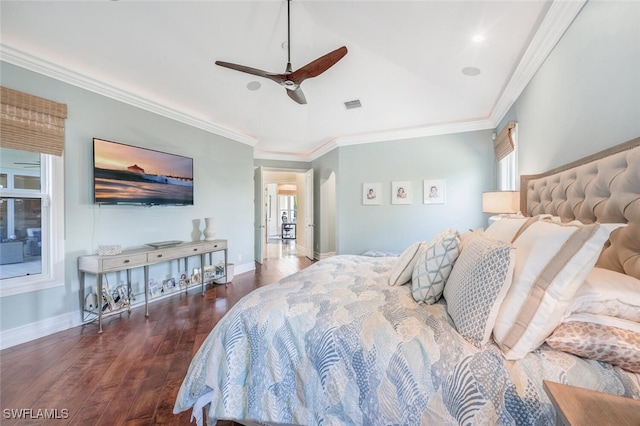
(507, 168)
(52, 230)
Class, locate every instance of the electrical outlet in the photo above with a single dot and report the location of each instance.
(239, 258)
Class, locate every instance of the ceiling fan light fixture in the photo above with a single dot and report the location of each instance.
(291, 80)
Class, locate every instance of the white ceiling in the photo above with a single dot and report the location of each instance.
(404, 63)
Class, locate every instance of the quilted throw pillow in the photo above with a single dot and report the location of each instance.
(477, 286)
(433, 267)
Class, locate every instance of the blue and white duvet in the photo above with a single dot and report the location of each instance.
(334, 344)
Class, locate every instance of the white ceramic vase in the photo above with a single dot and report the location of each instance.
(209, 232)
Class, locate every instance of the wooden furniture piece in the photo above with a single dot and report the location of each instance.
(141, 258)
(577, 406)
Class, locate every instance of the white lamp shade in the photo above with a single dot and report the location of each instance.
(498, 202)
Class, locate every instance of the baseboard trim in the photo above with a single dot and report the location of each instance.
(320, 256)
(36, 330)
(46, 327)
(245, 267)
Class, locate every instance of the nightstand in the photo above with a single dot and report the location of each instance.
(577, 406)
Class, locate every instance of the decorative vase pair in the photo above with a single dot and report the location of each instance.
(209, 232)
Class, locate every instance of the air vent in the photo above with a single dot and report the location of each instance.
(353, 104)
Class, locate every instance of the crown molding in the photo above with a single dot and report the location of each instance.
(558, 18)
(24, 60)
(382, 136)
(555, 23)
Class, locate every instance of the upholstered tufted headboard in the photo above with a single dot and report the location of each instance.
(604, 188)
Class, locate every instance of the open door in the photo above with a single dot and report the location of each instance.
(308, 214)
(260, 225)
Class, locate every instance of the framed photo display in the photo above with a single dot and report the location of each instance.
(435, 191)
(401, 192)
(371, 194)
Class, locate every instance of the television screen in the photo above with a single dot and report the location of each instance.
(125, 174)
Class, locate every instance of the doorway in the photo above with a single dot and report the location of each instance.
(287, 213)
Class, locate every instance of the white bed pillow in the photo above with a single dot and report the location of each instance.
(506, 229)
(552, 261)
(610, 293)
(434, 265)
(403, 268)
(477, 286)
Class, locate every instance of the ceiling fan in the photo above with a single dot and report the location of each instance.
(290, 79)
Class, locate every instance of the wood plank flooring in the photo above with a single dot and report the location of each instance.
(131, 373)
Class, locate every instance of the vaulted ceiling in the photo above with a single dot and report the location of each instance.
(413, 65)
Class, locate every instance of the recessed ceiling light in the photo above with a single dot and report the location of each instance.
(253, 85)
(477, 38)
(471, 71)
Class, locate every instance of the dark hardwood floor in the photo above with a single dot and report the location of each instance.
(131, 373)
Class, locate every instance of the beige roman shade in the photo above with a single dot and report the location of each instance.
(503, 144)
(31, 123)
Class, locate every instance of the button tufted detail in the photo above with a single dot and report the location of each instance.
(604, 190)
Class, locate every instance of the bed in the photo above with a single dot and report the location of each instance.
(461, 329)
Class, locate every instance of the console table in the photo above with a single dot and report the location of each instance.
(141, 258)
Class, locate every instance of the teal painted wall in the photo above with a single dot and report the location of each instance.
(223, 179)
(586, 96)
(464, 160)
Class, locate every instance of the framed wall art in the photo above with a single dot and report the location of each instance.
(371, 194)
(435, 191)
(401, 192)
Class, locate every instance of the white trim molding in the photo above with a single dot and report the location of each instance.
(32, 63)
(558, 18)
(36, 330)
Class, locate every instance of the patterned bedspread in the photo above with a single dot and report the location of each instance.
(334, 344)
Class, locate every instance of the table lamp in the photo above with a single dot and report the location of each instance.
(499, 203)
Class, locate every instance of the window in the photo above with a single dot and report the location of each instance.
(30, 244)
(31, 192)
(287, 204)
(507, 166)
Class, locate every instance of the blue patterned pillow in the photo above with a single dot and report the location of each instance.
(433, 267)
(477, 286)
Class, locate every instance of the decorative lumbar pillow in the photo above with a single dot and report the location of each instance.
(601, 338)
(433, 267)
(477, 286)
(552, 261)
(609, 293)
(403, 268)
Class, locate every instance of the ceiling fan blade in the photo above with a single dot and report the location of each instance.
(278, 78)
(297, 95)
(317, 67)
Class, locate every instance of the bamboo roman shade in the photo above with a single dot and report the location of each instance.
(503, 144)
(31, 123)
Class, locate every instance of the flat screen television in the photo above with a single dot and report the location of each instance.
(125, 174)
